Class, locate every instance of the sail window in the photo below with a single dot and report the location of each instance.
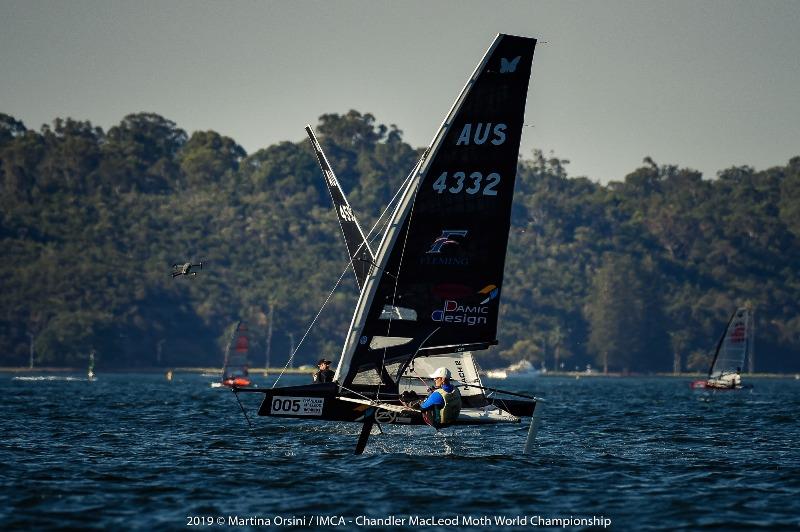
(368, 375)
(382, 342)
(390, 312)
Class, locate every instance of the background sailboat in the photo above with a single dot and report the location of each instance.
(731, 352)
(235, 370)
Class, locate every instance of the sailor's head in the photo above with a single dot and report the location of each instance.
(324, 363)
(441, 376)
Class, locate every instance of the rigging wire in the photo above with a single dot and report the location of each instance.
(383, 213)
(291, 357)
(397, 278)
(347, 267)
(356, 393)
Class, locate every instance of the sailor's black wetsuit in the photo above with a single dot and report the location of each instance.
(324, 375)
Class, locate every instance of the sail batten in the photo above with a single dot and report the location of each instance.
(443, 254)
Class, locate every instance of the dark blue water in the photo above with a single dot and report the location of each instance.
(138, 452)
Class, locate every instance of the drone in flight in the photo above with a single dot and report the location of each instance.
(185, 269)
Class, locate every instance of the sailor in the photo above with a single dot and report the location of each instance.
(443, 405)
(325, 373)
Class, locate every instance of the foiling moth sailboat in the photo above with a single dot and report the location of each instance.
(412, 381)
(430, 293)
(234, 367)
(732, 350)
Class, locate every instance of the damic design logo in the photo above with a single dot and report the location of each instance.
(462, 291)
(457, 311)
(490, 292)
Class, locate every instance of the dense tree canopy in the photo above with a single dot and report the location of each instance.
(637, 275)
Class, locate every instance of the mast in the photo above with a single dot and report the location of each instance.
(719, 344)
(751, 340)
(269, 337)
(232, 339)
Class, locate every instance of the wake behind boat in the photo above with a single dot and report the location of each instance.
(732, 349)
(430, 294)
(523, 368)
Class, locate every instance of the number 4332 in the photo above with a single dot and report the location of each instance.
(472, 184)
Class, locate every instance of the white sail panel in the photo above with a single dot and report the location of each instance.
(462, 367)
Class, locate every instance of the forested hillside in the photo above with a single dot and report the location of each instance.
(639, 275)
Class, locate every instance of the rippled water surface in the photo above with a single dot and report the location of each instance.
(138, 452)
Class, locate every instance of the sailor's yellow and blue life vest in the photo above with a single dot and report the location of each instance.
(447, 413)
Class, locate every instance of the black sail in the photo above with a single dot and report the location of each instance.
(361, 258)
(440, 265)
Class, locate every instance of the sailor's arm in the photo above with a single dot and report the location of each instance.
(433, 399)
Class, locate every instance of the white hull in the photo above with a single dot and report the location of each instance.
(488, 415)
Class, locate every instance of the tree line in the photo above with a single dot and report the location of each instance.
(637, 275)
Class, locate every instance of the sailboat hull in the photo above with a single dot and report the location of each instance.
(707, 385)
(324, 402)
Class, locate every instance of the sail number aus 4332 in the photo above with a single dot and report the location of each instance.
(471, 184)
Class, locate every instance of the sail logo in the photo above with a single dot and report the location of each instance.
(446, 250)
(326, 170)
(462, 376)
(481, 134)
(456, 313)
(490, 292)
(460, 291)
(451, 291)
(346, 213)
(507, 66)
(329, 177)
(446, 239)
(738, 334)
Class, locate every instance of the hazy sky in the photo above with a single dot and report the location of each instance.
(703, 84)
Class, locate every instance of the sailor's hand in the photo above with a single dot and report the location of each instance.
(408, 396)
(413, 405)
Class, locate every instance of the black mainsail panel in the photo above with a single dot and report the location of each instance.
(440, 264)
(361, 257)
